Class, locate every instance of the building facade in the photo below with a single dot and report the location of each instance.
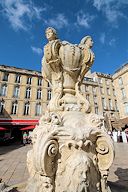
(120, 80)
(100, 92)
(23, 98)
(24, 95)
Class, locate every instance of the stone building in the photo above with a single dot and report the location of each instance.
(100, 92)
(23, 98)
(120, 81)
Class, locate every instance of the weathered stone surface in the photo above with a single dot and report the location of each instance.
(71, 149)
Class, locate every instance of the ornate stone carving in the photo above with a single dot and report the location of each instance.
(71, 149)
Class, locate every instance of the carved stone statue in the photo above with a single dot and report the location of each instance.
(71, 150)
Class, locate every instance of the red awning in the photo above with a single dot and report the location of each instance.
(19, 121)
(28, 127)
(3, 129)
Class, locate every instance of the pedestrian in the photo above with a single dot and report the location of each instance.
(25, 138)
(30, 137)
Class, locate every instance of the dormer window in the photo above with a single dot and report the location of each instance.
(29, 80)
(18, 78)
(5, 77)
(39, 82)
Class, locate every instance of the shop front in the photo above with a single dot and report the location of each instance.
(12, 130)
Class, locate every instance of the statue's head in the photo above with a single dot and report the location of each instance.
(87, 40)
(51, 33)
(76, 173)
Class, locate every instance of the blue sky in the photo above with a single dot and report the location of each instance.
(23, 24)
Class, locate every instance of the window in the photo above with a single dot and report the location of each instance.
(39, 94)
(1, 106)
(123, 93)
(48, 84)
(86, 88)
(48, 95)
(107, 82)
(28, 93)
(16, 91)
(120, 81)
(94, 90)
(116, 106)
(29, 80)
(94, 79)
(108, 91)
(38, 109)
(82, 88)
(27, 108)
(110, 104)
(100, 80)
(101, 90)
(95, 99)
(88, 79)
(14, 108)
(104, 114)
(39, 82)
(112, 115)
(87, 97)
(103, 103)
(18, 78)
(126, 108)
(5, 77)
(96, 109)
(3, 90)
(114, 92)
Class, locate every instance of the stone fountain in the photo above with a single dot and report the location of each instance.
(72, 151)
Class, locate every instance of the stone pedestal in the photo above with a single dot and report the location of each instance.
(71, 150)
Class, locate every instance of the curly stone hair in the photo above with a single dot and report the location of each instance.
(53, 30)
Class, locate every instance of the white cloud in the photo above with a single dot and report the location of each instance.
(111, 9)
(112, 42)
(37, 50)
(102, 38)
(19, 13)
(84, 19)
(58, 22)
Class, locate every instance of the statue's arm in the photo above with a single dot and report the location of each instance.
(46, 71)
(88, 60)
